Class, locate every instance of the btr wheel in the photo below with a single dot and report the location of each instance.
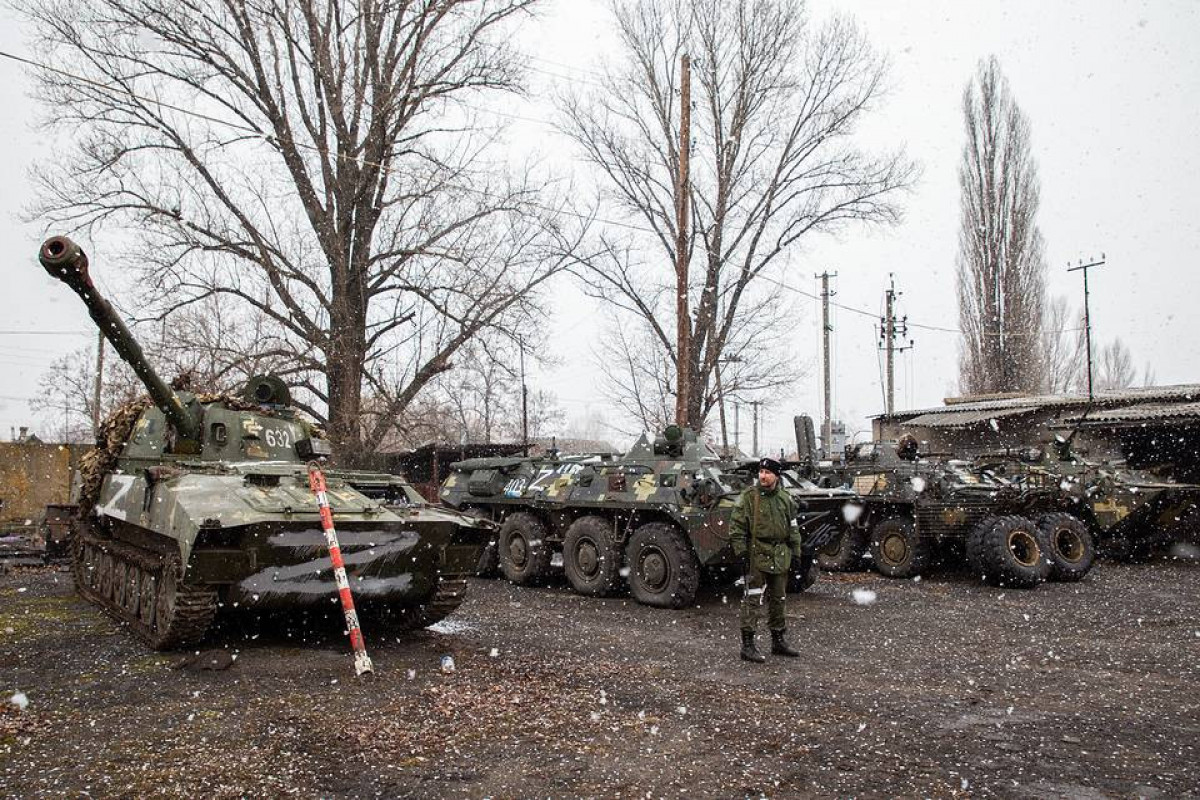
(898, 550)
(591, 558)
(663, 570)
(974, 543)
(845, 553)
(1014, 553)
(524, 552)
(1071, 548)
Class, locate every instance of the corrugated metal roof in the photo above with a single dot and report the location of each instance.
(1184, 392)
(961, 419)
(1143, 412)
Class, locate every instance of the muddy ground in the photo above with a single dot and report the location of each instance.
(940, 687)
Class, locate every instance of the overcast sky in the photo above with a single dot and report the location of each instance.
(1112, 93)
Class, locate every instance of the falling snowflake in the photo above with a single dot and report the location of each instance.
(918, 484)
(19, 700)
(851, 512)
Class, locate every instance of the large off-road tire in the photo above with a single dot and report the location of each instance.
(1013, 552)
(845, 552)
(897, 549)
(663, 569)
(1072, 550)
(804, 573)
(973, 547)
(591, 557)
(524, 552)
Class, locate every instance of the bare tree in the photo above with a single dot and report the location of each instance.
(1148, 376)
(477, 401)
(1001, 263)
(1063, 348)
(318, 162)
(66, 401)
(773, 162)
(1114, 367)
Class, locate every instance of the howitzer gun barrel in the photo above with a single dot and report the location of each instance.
(65, 260)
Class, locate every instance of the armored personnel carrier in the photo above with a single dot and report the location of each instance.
(913, 508)
(656, 518)
(192, 500)
(1129, 512)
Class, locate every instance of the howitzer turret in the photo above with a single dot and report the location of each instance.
(66, 261)
(199, 501)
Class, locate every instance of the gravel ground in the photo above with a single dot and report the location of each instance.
(937, 688)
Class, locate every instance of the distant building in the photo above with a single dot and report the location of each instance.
(33, 475)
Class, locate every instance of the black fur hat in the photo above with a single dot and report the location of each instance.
(770, 464)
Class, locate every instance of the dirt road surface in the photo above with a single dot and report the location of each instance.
(937, 688)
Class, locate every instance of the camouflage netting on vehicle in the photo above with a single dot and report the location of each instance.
(115, 432)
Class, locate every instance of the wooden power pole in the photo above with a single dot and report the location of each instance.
(99, 385)
(682, 314)
(754, 446)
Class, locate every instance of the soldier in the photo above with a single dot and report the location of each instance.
(765, 515)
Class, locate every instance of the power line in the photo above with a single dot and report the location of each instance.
(44, 333)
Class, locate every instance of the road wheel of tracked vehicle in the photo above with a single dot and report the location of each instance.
(182, 613)
(663, 570)
(845, 552)
(388, 619)
(524, 552)
(804, 573)
(1013, 552)
(591, 558)
(1071, 549)
(974, 544)
(897, 549)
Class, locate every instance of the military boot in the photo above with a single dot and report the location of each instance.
(749, 651)
(779, 647)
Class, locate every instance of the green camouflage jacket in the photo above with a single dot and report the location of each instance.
(772, 515)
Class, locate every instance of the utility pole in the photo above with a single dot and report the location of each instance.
(682, 315)
(754, 448)
(826, 328)
(524, 401)
(890, 329)
(721, 407)
(737, 437)
(1087, 314)
(99, 384)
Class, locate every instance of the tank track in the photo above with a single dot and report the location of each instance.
(140, 588)
(448, 596)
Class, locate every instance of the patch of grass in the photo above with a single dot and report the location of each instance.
(26, 616)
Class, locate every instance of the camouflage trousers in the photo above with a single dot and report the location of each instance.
(764, 588)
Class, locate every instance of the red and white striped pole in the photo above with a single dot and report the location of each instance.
(362, 662)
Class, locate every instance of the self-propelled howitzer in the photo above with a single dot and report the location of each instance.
(192, 499)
